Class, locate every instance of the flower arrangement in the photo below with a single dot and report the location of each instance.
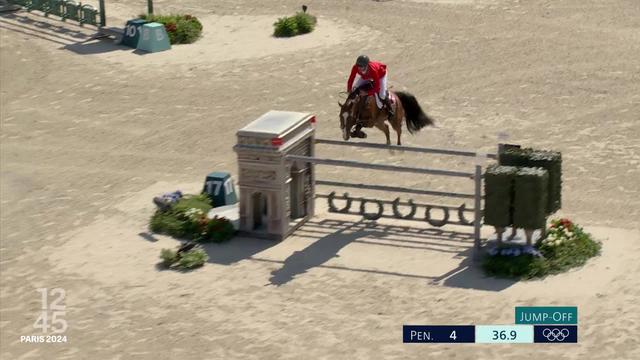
(194, 214)
(217, 229)
(560, 232)
(566, 246)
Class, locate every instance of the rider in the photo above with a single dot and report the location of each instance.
(375, 72)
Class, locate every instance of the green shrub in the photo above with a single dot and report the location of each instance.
(201, 202)
(301, 23)
(188, 220)
(218, 230)
(523, 266)
(192, 259)
(305, 23)
(168, 257)
(168, 223)
(285, 27)
(566, 246)
(184, 220)
(182, 29)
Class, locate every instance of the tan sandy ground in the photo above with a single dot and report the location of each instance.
(91, 131)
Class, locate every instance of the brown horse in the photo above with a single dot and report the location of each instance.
(359, 106)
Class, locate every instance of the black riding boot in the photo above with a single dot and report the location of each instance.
(389, 106)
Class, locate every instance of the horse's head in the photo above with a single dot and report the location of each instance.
(346, 118)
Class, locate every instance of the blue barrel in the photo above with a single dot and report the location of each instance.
(153, 38)
(220, 189)
(132, 32)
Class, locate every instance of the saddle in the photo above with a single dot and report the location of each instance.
(360, 105)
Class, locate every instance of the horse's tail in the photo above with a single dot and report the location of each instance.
(415, 117)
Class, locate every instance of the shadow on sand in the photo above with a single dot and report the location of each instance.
(467, 275)
(80, 40)
(330, 236)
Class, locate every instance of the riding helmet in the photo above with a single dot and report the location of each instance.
(363, 61)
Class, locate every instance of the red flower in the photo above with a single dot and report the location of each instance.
(171, 27)
(203, 222)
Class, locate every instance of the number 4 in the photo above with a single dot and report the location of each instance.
(41, 323)
(453, 335)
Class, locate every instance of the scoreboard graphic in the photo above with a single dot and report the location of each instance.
(533, 324)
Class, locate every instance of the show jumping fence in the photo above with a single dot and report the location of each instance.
(67, 9)
(412, 214)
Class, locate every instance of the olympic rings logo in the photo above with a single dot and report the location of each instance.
(555, 334)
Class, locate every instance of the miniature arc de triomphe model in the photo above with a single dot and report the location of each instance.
(276, 194)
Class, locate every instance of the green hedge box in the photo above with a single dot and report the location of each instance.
(498, 201)
(512, 155)
(219, 187)
(131, 34)
(153, 38)
(530, 198)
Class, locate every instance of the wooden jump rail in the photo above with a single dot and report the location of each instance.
(395, 189)
(357, 164)
(404, 148)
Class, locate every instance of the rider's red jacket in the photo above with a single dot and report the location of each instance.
(375, 72)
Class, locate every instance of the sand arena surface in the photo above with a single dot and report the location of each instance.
(91, 131)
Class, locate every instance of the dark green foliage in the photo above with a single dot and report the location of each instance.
(498, 185)
(218, 230)
(285, 27)
(191, 259)
(188, 220)
(530, 198)
(524, 266)
(201, 202)
(511, 155)
(552, 162)
(177, 223)
(305, 23)
(301, 23)
(182, 29)
(169, 223)
(548, 160)
(168, 257)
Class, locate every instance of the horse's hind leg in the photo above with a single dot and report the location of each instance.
(397, 126)
(385, 129)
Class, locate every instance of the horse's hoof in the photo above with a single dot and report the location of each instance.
(359, 134)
